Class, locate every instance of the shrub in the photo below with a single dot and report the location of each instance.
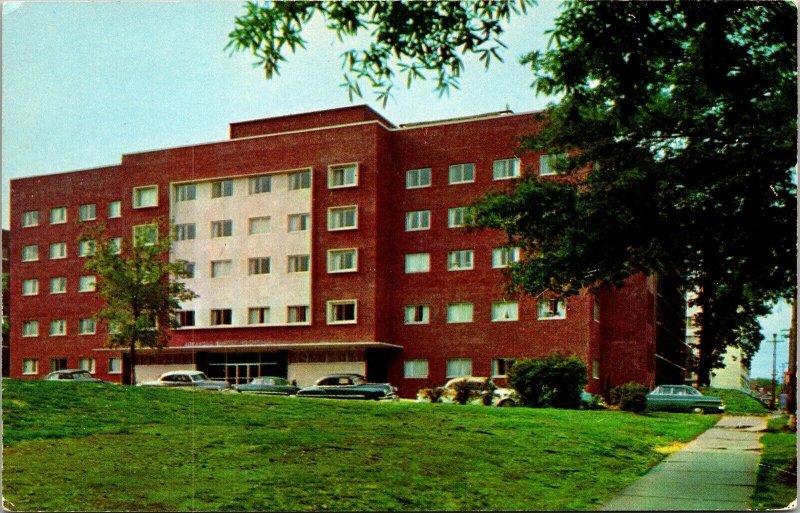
(433, 395)
(554, 381)
(468, 391)
(630, 396)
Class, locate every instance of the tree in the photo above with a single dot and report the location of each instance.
(139, 286)
(413, 39)
(674, 140)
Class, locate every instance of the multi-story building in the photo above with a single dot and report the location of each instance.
(330, 241)
(5, 356)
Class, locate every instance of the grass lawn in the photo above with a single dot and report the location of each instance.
(777, 475)
(737, 402)
(106, 447)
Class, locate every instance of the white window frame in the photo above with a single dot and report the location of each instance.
(263, 312)
(424, 269)
(304, 220)
(466, 362)
(304, 308)
(63, 219)
(114, 209)
(544, 315)
(222, 185)
(254, 221)
(298, 268)
(87, 364)
(502, 253)
(117, 244)
(417, 177)
(87, 283)
(185, 231)
(255, 266)
(409, 319)
(222, 224)
(185, 192)
(181, 317)
(86, 248)
(117, 362)
(59, 280)
(290, 179)
(33, 285)
(81, 326)
(58, 322)
(415, 368)
(333, 169)
(334, 253)
(453, 215)
(511, 169)
(331, 309)
(454, 260)
(496, 366)
(63, 253)
(35, 330)
(418, 220)
(34, 364)
(141, 188)
(30, 218)
(461, 171)
(224, 264)
(85, 213)
(254, 184)
(595, 368)
(332, 211)
(513, 308)
(596, 310)
(27, 249)
(450, 317)
(222, 314)
(546, 162)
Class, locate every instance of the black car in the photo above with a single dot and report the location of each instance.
(349, 386)
(268, 385)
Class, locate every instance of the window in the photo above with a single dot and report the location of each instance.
(58, 285)
(144, 197)
(30, 366)
(186, 231)
(86, 248)
(221, 268)
(595, 368)
(58, 250)
(30, 218)
(460, 260)
(146, 234)
(418, 220)
(459, 312)
(57, 364)
(221, 228)
(297, 264)
(342, 260)
(418, 314)
(457, 217)
(86, 364)
(221, 188)
(185, 192)
(548, 163)
(87, 327)
(342, 176)
(223, 317)
(342, 218)
(418, 263)
(116, 245)
(87, 283)
(115, 209)
(87, 212)
(552, 308)
(30, 287)
(299, 222)
(259, 315)
(501, 366)
(115, 365)
(58, 327)
(30, 253)
(30, 328)
(114, 327)
(188, 268)
(259, 184)
(256, 225)
(505, 169)
(299, 180)
(342, 312)
(596, 310)
(185, 318)
(457, 367)
(503, 257)
(58, 215)
(462, 173)
(415, 369)
(416, 178)
(297, 314)
(258, 265)
(505, 311)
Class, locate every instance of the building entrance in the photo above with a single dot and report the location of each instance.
(240, 368)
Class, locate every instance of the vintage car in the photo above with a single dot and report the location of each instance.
(682, 398)
(73, 376)
(480, 387)
(349, 386)
(268, 385)
(189, 379)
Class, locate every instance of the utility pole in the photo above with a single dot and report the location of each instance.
(774, 351)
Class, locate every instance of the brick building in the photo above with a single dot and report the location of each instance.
(322, 242)
(5, 356)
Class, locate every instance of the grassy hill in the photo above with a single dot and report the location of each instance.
(737, 402)
(105, 447)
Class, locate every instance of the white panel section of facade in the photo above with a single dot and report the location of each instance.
(240, 290)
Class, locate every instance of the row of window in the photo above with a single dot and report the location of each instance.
(58, 250)
(58, 215)
(457, 217)
(58, 285)
(58, 327)
(465, 173)
(502, 311)
(261, 184)
(339, 261)
(255, 226)
(31, 365)
(458, 367)
(460, 260)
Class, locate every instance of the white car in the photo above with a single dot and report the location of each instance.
(187, 378)
(480, 387)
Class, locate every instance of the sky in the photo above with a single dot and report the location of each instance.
(85, 82)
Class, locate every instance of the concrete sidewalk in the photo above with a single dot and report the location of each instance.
(716, 471)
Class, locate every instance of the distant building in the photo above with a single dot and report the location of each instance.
(325, 242)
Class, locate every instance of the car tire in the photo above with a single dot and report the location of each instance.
(698, 410)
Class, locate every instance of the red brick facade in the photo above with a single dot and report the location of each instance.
(619, 346)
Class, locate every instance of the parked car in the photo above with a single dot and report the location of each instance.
(72, 375)
(479, 385)
(268, 385)
(683, 398)
(188, 378)
(349, 386)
